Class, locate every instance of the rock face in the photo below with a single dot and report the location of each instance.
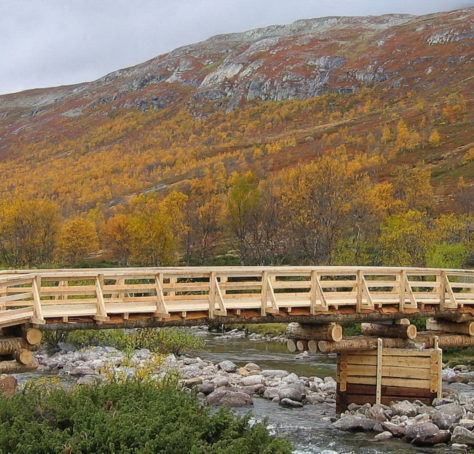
(299, 60)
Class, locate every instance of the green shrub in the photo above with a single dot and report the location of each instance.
(165, 340)
(132, 417)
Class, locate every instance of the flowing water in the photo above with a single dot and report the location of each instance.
(309, 428)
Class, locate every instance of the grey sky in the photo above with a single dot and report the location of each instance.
(57, 42)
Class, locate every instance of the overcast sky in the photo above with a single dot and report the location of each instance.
(56, 42)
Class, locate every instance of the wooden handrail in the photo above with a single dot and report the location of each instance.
(270, 293)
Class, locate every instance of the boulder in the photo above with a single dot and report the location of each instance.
(463, 436)
(426, 433)
(379, 412)
(290, 403)
(191, 371)
(205, 388)
(82, 370)
(467, 423)
(291, 391)
(229, 398)
(252, 389)
(252, 380)
(227, 366)
(404, 408)
(315, 398)
(89, 380)
(243, 371)
(382, 436)
(271, 393)
(274, 373)
(8, 385)
(459, 447)
(190, 382)
(252, 367)
(221, 381)
(446, 415)
(291, 379)
(354, 422)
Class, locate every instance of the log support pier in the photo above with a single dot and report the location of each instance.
(16, 346)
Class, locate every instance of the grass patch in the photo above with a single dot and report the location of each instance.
(164, 340)
(267, 329)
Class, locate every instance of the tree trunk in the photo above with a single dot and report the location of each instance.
(291, 345)
(359, 343)
(380, 330)
(13, 367)
(450, 327)
(330, 332)
(445, 340)
(313, 346)
(302, 345)
(23, 356)
(32, 335)
(8, 346)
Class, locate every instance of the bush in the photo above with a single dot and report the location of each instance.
(132, 417)
(166, 340)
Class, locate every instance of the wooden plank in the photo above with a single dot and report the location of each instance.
(397, 361)
(16, 297)
(388, 381)
(406, 352)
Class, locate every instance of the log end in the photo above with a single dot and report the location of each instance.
(412, 332)
(336, 333)
(291, 345)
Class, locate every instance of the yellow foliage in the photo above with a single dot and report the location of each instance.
(77, 239)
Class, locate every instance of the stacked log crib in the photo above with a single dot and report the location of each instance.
(16, 346)
(388, 374)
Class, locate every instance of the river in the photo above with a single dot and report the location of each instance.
(309, 428)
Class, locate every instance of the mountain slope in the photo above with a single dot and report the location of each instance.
(264, 99)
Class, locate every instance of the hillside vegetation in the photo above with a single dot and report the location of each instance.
(337, 140)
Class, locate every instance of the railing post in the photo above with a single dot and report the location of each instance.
(101, 314)
(359, 290)
(378, 380)
(403, 280)
(160, 297)
(212, 294)
(442, 289)
(37, 310)
(264, 294)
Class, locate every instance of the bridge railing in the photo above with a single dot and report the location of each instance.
(39, 295)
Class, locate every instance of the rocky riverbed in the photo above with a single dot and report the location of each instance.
(287, 397)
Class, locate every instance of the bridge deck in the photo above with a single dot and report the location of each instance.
(171, 295)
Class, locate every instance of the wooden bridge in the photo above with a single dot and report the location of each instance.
(72, 299)
(383, 364)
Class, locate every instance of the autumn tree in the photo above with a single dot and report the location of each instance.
(117, 239)
(28, 230)
(405, 239)
(412, 187)
(203, 216)
(157, 230)
(434, 138)
(317, 201)
(77, 239)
